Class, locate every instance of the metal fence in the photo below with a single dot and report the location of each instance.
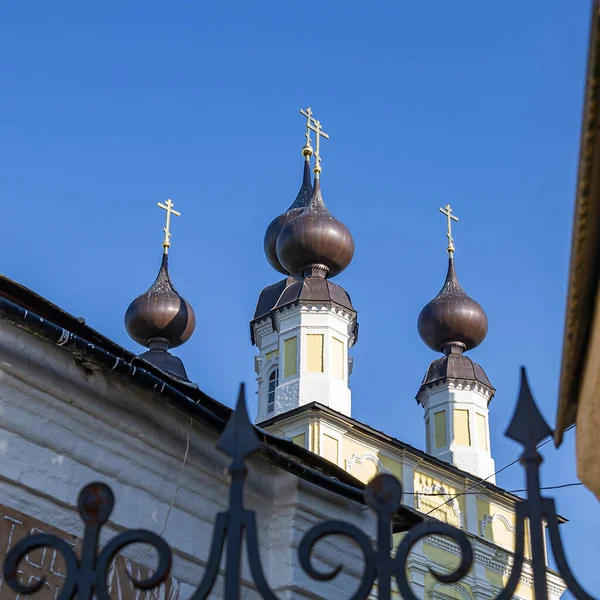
(86, 575)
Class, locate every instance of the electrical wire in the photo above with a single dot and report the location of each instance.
(547, 487)
(489, 476)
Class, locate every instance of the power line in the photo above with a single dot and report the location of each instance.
(547, 487)
(490, 476)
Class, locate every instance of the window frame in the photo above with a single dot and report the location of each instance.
(272, 377)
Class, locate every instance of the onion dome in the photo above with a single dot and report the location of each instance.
(278, 223)
(315, 243)
(452, 322)
(160, 318)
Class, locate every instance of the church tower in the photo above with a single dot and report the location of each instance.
(160, 318)
(455, 391)
(305, 324)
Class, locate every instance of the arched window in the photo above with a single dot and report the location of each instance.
(273, 382)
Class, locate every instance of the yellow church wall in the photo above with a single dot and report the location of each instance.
(440, 556)
(499, 581)
(495, 579)
(270, 355)
(365, 462)
(501, 530)
(337, 358)
(459, 591)
(314, 352)
(524, 591)
(358, 459)
(527, 551)
(447, 511)
(481, 432)
(300, 440)
(439, 427)
(290, 356)
(330, 448)
(462, 432)
(392, 466)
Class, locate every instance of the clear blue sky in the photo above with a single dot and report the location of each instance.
(108, 107)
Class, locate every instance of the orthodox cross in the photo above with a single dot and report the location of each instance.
(447, 210)
(316, 127)
(168, 206)
(307, 150)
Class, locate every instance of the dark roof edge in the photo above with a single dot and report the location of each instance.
(584, 263)
(277, 450)
(25, 298)
(315, 406)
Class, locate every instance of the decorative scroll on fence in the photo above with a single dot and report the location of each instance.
(48, 563)
(86, 570)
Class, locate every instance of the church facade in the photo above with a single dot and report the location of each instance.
(304, 327)
(75, 408)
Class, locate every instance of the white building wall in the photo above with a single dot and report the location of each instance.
(63, 425)
(489, 558)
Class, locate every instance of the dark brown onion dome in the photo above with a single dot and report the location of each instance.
(315, 243)
(455, 367)
(278, 223)
(160, 317)
(452, 321)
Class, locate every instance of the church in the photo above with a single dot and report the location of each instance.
(76, 408)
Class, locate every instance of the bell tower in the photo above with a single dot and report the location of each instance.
(305, 324)
(160, 318)
(456, 392)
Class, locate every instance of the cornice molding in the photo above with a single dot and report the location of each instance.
(469, 385)
(503, 568)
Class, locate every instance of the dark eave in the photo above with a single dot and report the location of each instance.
(455, 367)
(584, 268)
(24, 309)
(295, 290)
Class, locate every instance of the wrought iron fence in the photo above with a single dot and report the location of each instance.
(86, 575)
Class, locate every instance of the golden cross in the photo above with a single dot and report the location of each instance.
(447, 210)
(168, 206)
(307, 151)
(316, 127)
